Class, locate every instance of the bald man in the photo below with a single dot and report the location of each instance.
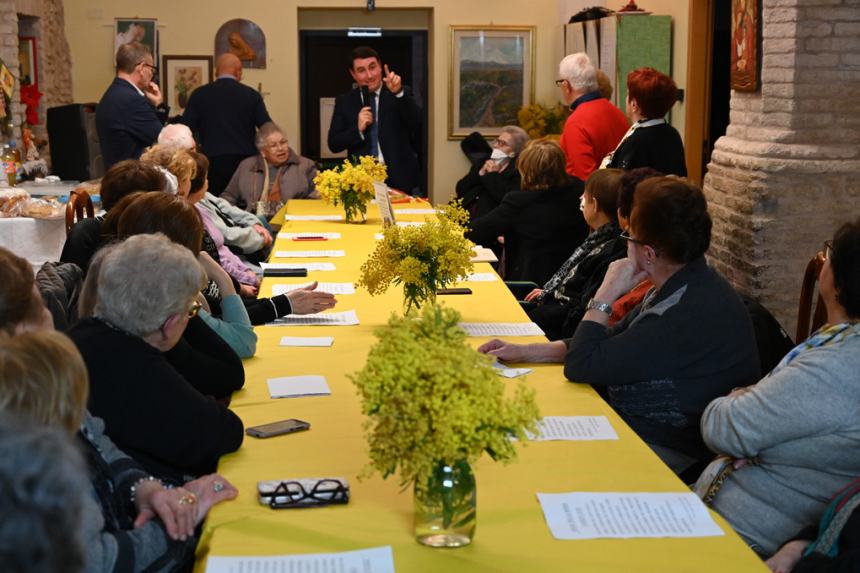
(224, 116)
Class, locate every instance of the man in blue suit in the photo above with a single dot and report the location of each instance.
(132, 111)
(379, 118)
(225, 116)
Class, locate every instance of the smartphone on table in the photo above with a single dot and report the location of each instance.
(278, 428)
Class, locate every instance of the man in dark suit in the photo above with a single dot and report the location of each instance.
(225, 115)
(132, 111)
(384, 123)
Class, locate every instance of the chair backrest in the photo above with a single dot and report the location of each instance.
(79, 202)
(808, 321)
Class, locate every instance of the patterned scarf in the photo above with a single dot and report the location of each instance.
(607, 232)
(834, 519)
(821, 337)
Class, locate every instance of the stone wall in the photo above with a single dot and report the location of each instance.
(787, 172)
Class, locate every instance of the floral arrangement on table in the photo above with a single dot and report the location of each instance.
(422, 258)
(541, 120)
(433, 402)
(351, 184)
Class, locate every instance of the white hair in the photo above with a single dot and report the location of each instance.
(518, 135)
(145, 280)
(578, 70)
(177, 135)
(265, 131)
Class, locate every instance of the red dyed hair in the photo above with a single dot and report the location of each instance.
(654, 91)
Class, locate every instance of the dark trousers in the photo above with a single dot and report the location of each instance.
(221, 170)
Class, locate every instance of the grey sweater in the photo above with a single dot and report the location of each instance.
(803, 425)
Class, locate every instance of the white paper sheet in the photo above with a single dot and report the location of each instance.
(305, 235)
(501, 329)
(574, 428)
(313, 217)
(298, 386)
(307, 340)
(503, 370)
(415, 211)
(383, 201)
(378, 236)
(309, 266)
(374, 560)
(333, 288)
(409, 223)
(345, 318)
(580, 515)
(482, 278)
(307, 254)
(483, 255)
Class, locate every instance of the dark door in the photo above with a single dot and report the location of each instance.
(324, 57)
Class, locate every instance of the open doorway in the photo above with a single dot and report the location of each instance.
(324, 55)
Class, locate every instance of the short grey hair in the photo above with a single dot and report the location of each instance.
(519, 137)
(265, 131)
(145, 280)
(44, 494)
(177, 135)
(578, 70)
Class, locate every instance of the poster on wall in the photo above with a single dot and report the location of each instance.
(245, 40)
(141, 30)
(181, 76)
(491, 77)
(746, 45)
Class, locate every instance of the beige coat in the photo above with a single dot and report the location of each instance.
(250, 181)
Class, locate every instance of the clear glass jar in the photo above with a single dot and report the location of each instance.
(445, 506)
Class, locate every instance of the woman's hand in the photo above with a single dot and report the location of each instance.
(175, 507)
(309, 301)
(621, 276)
(264, 233)
(248, 291)
(533, 295)
(506, 351)
(784, 560)
(210, 491)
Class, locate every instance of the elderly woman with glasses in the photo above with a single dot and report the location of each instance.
(688, 342)
(145, 295)
(787, 443)
(486, 184)
(263, 183)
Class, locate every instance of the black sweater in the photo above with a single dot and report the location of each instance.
(150, 409)
(541, 230)
(483, 193)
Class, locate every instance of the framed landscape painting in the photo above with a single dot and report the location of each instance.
(491, 77)
(183, 75)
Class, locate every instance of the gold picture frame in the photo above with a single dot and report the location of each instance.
(181, 76)
(491, 76)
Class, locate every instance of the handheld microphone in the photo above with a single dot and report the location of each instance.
(365, 97)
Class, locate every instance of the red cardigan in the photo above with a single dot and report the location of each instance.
(591, 132)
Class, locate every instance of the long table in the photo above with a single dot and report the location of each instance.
(511, 533)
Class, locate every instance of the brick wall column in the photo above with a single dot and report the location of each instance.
(787, 172)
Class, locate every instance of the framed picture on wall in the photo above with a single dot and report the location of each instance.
(746, 45)
(181, 76)
(491, 76)
(141, 30)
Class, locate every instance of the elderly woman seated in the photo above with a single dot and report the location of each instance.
(787, 442)
(130, 520)
(486, 184)
(262, 184)
(687, 343)
(146, 294)
(541, 224)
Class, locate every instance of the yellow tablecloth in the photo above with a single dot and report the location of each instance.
(511, 533)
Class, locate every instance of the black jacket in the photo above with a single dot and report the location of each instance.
(150, 409)
(659, 147)
(399, 131)
(483, 193)
(541, 230)
(126, 123)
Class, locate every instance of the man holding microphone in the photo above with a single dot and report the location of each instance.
(379, 118)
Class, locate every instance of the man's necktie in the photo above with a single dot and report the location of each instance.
(374, 127)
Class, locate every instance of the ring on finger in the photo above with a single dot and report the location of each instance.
(217, 486)
(188, 499)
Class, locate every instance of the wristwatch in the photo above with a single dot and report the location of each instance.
(601, 306)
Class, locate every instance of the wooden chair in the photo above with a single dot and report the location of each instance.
(807, 292)
(79, 202)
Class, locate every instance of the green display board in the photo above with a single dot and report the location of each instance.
(642, 41)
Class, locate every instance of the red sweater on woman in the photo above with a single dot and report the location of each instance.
(592, 130)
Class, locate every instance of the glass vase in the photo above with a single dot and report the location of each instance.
(445, 506)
